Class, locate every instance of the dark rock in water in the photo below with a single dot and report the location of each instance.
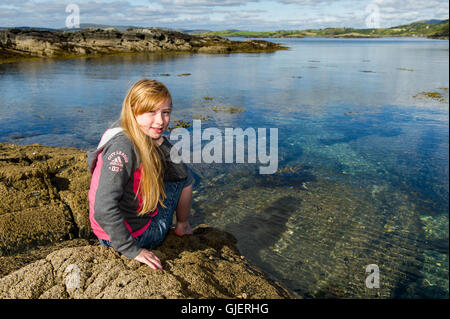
(16, 136)
(264, 228)
(47, 249)
(17, 43)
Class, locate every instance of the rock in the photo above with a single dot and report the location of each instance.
(26, 228)
(100, 272)
(214, 49)
(48, 249)
(95, 41)
(9, 264)
(43, 196)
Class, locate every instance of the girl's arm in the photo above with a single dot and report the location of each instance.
(183, 211)
(116, 163)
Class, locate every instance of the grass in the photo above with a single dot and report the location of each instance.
(415, 29)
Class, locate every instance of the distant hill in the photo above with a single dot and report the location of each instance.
(99, 26)
(433, 21)
(431, 28)
(441, 32)
(28, 28)
(106, 26)
(426, 28)
(82, 26)
(125, 27)
(195, 31)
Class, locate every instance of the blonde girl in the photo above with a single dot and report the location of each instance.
(135, 188)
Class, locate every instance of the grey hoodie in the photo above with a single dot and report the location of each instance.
(113, 195)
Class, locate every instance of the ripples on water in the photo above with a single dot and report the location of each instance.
(363, 164)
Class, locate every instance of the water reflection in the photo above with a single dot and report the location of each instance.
(363, 164)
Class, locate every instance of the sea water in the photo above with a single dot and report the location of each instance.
(363, 173)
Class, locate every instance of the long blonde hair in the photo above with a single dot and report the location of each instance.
(144, 96)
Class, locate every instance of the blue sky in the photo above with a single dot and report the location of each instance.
(257, 15)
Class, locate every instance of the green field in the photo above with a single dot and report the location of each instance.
(415, 29)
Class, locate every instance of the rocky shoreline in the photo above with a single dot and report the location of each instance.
(47, 249)
(18, 44)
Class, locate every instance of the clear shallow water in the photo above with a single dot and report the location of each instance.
(363, 163)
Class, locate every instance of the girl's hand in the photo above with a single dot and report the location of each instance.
(149, 258)
(183, 228)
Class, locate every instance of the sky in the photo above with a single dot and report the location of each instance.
(255, 15)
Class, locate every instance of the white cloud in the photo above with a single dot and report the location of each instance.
(205, 3)
(222, 14)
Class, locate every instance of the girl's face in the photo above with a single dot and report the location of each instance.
(155, 122)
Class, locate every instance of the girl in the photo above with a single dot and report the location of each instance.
(135, 188)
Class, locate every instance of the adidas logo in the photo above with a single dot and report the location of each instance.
(116, 162)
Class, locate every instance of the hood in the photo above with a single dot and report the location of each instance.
(105, 140)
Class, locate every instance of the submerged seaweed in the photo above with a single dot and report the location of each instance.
(179, 124)
(431, 95)
(202, 118)
(230, 109)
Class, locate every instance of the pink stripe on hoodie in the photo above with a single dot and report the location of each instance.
(98, 231)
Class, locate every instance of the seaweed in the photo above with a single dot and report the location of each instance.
(202, 118)
(230, 109)
(431, 95)
(179, 124)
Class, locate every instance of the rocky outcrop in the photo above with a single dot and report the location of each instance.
(92, 41)
(43, 196)
(205, 265)
(47, 249)
(354, 35)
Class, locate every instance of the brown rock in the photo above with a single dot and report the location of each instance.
(44, 203)
(214, 49)
(95, 41)
(43, 196)
(9, 264)
(100, 272)
(32, 226)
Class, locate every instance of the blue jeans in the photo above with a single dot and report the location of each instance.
(154, 235)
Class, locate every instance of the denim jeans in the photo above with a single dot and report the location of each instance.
(154, 235)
